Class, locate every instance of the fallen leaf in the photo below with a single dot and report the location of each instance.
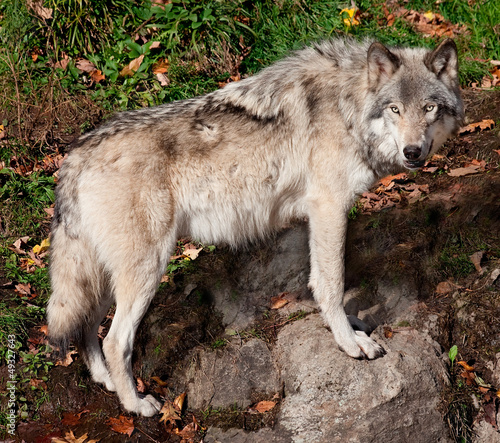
(161, 66)
(179, 401)
(386, 181)
(264, 406)
(188, 433)
(445, 287)
(39, 9)
(85, 65)
(460, 172)
(97, 76)
(465, 366)
(122, 425)
(192, 253)
(478, 126)
(70, 438)
(25, 290)
(132, 67)
(476, 261)
(468, 377)
(42, 247)
(19, 245)
(388, 332)
(163, 79)
(63, 63)
(159, 381)
(68, 359)
(279, 301)
(169, 413)
(490, 414)
(70, 419)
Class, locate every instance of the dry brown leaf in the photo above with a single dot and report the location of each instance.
(179, 401)
(19, 245)
(63, 63)
(192, 253)
(468, 170)
(161, 66)
(188, 433)
(159, 381)
(264, 406)
(141, 386)
(445, 287)
(163, 79)
(97, 76)
(169, 413)
(85, 65)
(279, 301)
(68, 359)
(388, 332)
(465, 366)
(70, 438)
(386, 181)
(132, 67)
(476, 260)
(478, 126)
(70, 419)
(122, 425)
(39, 9)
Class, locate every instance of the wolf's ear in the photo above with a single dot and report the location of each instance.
(382, 64)
(443, 61)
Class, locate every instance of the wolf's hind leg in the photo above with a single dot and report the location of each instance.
(91, 350)
(134, 284)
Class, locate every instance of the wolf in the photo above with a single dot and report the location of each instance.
(302, 138)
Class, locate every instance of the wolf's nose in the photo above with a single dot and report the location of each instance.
(412, 152)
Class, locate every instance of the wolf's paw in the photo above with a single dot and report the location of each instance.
(146, 406)
(368, 347)
(363, 347)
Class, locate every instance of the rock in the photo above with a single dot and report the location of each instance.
(265, 435)
(280, 266)
(330, 397)
(230, 376)
(485, 433)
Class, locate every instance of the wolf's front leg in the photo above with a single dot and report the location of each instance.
(328, 227)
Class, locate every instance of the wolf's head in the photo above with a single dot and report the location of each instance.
(415, 102)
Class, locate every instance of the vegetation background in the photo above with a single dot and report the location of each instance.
(66, 65)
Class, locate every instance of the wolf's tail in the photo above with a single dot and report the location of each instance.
(78, 286)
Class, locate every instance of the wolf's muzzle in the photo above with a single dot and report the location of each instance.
(412, 154)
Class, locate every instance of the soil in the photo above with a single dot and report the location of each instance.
(428, 242)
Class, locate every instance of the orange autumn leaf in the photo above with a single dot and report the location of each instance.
(97, 76)
(466, 366)
(161, 66)
(386, 181)
(132, 67)
(264, 406)
(122, 425)
(478, 126)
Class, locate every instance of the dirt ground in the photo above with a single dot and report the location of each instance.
(428, 241)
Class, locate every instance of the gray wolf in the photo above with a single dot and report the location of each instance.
(303, 138)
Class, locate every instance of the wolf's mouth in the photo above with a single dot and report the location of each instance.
(414, 164)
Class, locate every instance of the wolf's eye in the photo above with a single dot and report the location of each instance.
(429, 108)
(395, 109)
